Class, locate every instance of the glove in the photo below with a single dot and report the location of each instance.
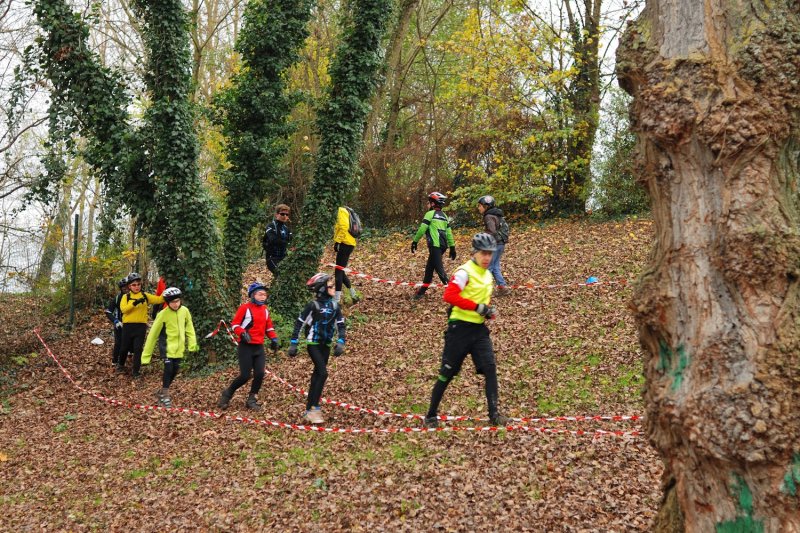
(139, 301)
(292, 348)
(245, 337)
(194, 348)
(413, 247)
(118, 324)
(338, 349)
(336, 247)
(486, 310)
(452, 252)
(274, 345)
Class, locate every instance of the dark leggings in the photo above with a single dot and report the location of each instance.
(133, 335)
(272, 264)
(252, 358)
(434, 263)
(320, 353)
(117, 345)
(342, 257)
(171, 366)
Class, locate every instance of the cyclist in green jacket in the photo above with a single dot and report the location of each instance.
(435, 227)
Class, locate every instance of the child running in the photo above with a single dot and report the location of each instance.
(134, 322)
(253, 324)
(321, 316)
(435, 227)
(176, 321)
(469, 293)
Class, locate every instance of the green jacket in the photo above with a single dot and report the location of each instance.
(436, 228)
(180, 333)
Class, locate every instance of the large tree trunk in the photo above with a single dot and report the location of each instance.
(716, 110)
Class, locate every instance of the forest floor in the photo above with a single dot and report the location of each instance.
(70, 461)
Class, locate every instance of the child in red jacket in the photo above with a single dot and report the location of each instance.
(253, 325)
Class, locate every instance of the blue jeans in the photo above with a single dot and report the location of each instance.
(494, 266)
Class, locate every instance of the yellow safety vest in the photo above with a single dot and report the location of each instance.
(479, 290)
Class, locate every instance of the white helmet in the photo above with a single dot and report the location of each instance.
(172, 293)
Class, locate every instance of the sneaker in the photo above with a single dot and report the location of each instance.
(499, 420)
(431, 422)
(120, 369)
(418, 296)
(502, 290)
(166, 401)
(314, 415)
(137, 375)
(252, 403)
(224, 399)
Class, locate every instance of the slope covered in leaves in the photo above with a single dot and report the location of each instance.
(73, 462)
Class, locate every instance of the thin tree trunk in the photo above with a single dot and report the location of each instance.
(716, 109)
(53, 238)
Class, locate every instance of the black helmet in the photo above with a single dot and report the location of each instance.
(484, 241)
(437, 198)
(134, 276)
(255, 286)
(172, 293)
(123, 282)
(318, 283)
(487, 200)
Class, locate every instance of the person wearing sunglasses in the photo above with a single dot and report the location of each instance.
(134, 322)
(276, 238)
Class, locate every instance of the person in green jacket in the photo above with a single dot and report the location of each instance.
(435, 226)
(177, 321)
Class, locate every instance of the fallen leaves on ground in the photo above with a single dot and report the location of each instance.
(71, 462)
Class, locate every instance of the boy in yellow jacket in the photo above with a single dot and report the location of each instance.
(343, 245)
(176, 320)
(134, 322)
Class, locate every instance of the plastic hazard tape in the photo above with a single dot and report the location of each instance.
(451, 418)
(590, 282)
(301, 427)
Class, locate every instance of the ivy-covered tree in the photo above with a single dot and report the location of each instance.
(354, 72)
(254, 118)
(149, 168)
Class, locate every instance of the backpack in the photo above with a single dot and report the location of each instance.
(502, 230)
(355, 229)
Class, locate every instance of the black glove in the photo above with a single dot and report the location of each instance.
(486, 310)
(336, 247)
(338, 349)
(292, 349)
(452, 252)
(245, 337)
(274, 345)
(413, 247)
(139, 301)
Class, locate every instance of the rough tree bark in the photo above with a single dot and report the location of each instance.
(716, 108)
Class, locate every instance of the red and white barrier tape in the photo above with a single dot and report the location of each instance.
(301, 427)
(530, 286)
(451, 418)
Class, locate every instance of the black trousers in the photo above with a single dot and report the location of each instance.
(117, 345)
(133, 336)
(434, 263)
(342, 258)
(320, 353)
(252, 359)
(272, 264)
(462, 339)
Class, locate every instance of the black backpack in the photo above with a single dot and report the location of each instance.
(356, 229)
(502, 230)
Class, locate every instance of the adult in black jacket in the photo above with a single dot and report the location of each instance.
(277, 238)
(114, 315)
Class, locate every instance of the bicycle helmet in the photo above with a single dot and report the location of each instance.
(122, 283)
(171, 293)
(437, 198)
(318, 283)
(134, 276)
(487, 200)
(485, 242)
(255, 286)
